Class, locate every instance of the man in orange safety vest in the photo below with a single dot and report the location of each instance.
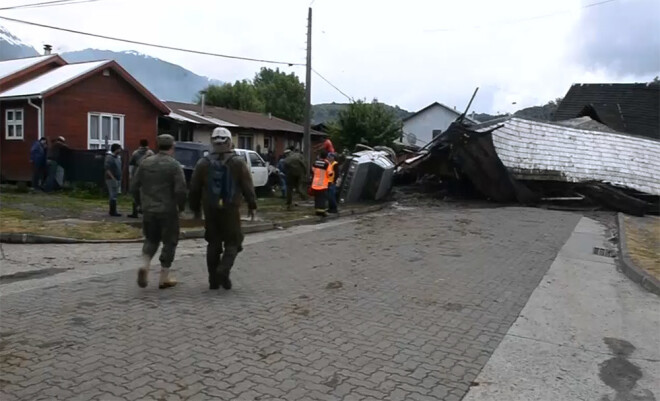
(323, 174)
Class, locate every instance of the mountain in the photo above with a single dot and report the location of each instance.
(166, 80)
(327, 112)
(12, 47)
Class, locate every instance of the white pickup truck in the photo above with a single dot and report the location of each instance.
(258, 167)
(188, 153)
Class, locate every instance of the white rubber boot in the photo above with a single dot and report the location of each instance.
(166, 281)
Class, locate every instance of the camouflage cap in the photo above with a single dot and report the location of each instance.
(165, 140)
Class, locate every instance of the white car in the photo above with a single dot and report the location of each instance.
(258, 167)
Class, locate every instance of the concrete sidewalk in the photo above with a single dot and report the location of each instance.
(587, 333)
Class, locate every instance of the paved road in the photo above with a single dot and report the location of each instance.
(407, 305)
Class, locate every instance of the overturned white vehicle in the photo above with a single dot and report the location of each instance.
(367, 175)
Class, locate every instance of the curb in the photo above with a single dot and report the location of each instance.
(27, 238)
(633, 272)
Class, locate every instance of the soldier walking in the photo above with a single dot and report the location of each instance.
(160, 185)
(136, 158)
(217, 184)
(294, 170)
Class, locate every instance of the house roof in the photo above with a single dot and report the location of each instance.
(629, 108)
(62, 77)
(430, 106)
(534, 150)
(220, 116)
(52, 79)
(12, 67)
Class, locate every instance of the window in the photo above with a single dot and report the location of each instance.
(245, 142)
(256, 160)
(14, 124)
(104, 130)
(268, 144)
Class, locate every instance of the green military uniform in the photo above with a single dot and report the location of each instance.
(222, 223)
(294, 170)
(160, 185)
(136, 158)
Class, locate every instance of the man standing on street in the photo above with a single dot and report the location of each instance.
(295, 171)
(38, 161)
(136, 158)
(113, 169)
(218, 183)
(320, 181)
(160, 185)
(54, 162)
(332, 183)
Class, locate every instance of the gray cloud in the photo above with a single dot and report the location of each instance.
(622, 37)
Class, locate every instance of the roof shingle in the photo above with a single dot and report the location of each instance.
(629, 108)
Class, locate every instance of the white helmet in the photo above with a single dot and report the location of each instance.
(220, 136)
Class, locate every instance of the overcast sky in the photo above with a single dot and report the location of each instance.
(407, 53)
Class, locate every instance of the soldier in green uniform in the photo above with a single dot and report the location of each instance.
(218, 183)
(294, 169)
(160, 185)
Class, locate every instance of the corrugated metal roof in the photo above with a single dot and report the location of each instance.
(52, 79)
(239, 118)
(10, 67)
(541, 151)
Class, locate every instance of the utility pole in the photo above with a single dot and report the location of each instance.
(307, 140)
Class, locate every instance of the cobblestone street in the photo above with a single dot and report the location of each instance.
(400, 305)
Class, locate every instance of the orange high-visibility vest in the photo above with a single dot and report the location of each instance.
(321, 175)
(332, 177)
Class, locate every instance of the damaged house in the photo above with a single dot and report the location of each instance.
(530, 162)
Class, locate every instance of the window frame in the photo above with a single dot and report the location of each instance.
(249, 138)
(101, 141)
(14, 123)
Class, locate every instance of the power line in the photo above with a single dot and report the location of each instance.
(135, 42)
(600, 3)
(47, 4)
(331, 84)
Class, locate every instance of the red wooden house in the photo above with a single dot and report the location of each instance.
(91, 104)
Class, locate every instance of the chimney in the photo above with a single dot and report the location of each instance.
(47, 49)
(203, 102)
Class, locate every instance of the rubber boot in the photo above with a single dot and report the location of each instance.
(166, 281)
(143, 272)
(113, 209)
(134, 215)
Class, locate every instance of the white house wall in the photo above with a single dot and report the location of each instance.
(423, 124)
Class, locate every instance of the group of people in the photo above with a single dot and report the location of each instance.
(219, 182)
(323, 187)
(47, 163)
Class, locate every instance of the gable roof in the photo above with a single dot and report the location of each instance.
(62, 77)
(430, 106)
(629, 108)
(16, 67)
(220, 116)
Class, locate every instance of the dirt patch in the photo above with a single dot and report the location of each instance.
(643, 240)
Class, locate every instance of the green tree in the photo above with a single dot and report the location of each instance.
(283, 94)
(371, 124)
(241, 95)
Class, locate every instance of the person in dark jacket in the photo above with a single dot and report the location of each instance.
(219, 182)
(55, 158)
(38, 162)
(113, 169)
(136, 158)
(160, 185)
(282, 174)
(295, 170)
